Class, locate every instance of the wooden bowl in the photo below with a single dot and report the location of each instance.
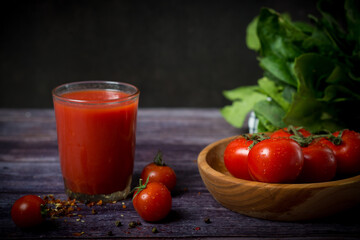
(281, 202)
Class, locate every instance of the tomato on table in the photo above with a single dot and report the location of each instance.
(236, 157)
(28, 211)
(319, 163)
(158, 171)
(276, 160)
(347, 151)
(152, 201)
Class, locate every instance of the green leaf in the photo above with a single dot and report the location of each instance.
(279, 68)
(305, 111)
(274, 91)
(318, 42)
(243, 99)
(252, 40)
(241, 92)
(265, 125)
(312, 70)
(304, 27)
(333, 15)
(269, 114)
(337, 76)
(352, 8)
(339, 93)
(278, 36)
(261, 126)
(288, 93)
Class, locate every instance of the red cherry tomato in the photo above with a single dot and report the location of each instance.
(27, 211)
(236, 158)
(319, 164)
(347, 153)
(286, 133)
(276, 160)
(152, 201)
(159, 172)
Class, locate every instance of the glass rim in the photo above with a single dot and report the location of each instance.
(131, 96)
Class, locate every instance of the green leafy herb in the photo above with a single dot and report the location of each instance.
(311, 71)
(244, 99)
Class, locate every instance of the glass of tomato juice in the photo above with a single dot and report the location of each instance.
(96, 125)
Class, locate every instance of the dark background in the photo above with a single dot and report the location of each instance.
(179, 53)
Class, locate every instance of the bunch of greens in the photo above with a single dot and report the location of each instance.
(311, 70)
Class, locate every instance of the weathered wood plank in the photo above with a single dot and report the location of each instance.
(42, 177)
(185, 220)
(29, 164)
(155, 126)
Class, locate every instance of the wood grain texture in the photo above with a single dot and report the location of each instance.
(29, 165)
(281, 202)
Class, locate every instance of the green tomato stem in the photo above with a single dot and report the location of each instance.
(140, 187)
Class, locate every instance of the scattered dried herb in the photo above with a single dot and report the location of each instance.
(78, 234)
(132, 224)
(90, 204)
(154, 230)
(207, 220)
(118, 223)
(57, 208)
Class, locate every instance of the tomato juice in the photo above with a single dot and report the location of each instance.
(96, 140)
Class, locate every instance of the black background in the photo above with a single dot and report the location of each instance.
(179, 53)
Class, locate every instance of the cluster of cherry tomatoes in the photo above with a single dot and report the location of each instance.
(294, 155)
(151, 200)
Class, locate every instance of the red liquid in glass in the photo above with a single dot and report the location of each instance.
(96, 141)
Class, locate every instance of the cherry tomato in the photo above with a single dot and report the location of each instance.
(159, 172)
(286, 133)
(152, 201)
(276, 160)
(236, 158)
(28, 212)
(319, 163)
(347, 153)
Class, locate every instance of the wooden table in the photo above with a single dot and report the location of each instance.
(29, 165)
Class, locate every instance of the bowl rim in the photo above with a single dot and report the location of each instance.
(205, 167)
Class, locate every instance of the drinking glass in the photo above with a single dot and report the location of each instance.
(96, 126)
